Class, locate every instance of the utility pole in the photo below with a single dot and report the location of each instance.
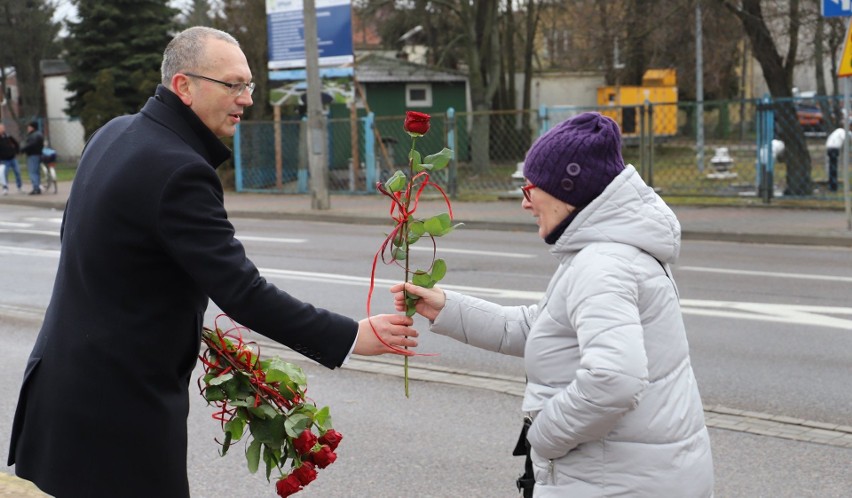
(317, 129)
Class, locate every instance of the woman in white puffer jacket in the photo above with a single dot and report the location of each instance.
(615, 406)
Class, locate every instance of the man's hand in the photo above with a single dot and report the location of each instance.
(394, 330)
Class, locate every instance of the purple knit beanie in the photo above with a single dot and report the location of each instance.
(577, 159)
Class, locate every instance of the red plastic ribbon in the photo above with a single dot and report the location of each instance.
(401, 213)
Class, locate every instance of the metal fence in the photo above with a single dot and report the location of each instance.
(762, 148)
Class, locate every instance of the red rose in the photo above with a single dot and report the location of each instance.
(286, 486)
(323, 457)
(416, 122)
(305, 473)
(305, 442)
(331, 438)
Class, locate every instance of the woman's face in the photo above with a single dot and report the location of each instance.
(548, 210)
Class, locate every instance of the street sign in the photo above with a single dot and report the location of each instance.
(844, 67)
(836, 8)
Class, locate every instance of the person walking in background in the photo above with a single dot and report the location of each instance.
(833, 146)
(32, 148)
(612, 401)
(145, 244)
(9, 149)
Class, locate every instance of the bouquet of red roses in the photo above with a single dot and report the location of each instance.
(264, 402)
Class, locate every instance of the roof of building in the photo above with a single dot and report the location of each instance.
(54, 67)
(374, 68)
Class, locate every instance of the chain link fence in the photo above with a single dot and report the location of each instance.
(750, 148)
(732, 154)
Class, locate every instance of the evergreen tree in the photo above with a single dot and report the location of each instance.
(125, 37)
(198, 14)
(101, 104)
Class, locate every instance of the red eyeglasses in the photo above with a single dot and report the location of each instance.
(526, 191)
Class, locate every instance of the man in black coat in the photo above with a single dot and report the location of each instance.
(33, 145)
(9, 148)
(145, 243)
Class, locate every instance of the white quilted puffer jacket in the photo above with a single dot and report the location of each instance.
(616, 406)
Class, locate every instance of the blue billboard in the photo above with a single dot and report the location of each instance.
(286, 32)
(836, 8)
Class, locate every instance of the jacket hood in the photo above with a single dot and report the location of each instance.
(628, 212)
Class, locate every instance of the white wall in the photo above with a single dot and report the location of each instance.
(563, 88)
(66, 136)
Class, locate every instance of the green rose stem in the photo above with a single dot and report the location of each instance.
(404, 237)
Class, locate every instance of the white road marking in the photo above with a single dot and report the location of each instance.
(476, 252)
(54, 233)
(821, 316)
(803, 276)
(271, 239)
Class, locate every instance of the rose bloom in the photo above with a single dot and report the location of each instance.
(305, 473)
(416, 122)
(287, 486)
(331, 438)
(323, 457)
(305, 442)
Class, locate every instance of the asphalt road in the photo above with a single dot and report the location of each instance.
(779, 355)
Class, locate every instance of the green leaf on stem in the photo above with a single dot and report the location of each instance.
(414, 156)
(278, 370)
(439, 270)
(296, 423)
(253, 455)
(214, 394)
(416, 229)
(439, 225)
(439, 160)
(235, 427)
(270, 459)
(226, 444)
(421, 278)
(396, 183)
(216, 381)
(322, 419)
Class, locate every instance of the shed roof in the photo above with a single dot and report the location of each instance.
(374, 68)
(54, 67)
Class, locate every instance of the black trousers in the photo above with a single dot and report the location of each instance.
(832, 168)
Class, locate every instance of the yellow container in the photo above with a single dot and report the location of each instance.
(659, 87)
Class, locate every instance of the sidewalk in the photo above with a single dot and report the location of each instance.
(758, 224)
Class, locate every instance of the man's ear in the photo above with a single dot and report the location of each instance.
(181, 88)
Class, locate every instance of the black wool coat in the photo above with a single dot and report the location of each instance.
(145, 242)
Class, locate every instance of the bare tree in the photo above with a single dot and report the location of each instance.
(778, 73)
(246, 21)
(27, 35)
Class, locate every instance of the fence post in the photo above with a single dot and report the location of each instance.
(543, 120)
(238, 161)
(451, 142)
(370, 151)
(651, 145)
(765, 133)
(642, 138)
(302, 173)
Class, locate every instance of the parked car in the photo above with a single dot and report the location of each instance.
(810, 118)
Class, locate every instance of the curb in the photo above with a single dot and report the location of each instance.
(505, 225)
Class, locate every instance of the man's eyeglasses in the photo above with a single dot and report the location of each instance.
(526, 191)
(235, 89)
